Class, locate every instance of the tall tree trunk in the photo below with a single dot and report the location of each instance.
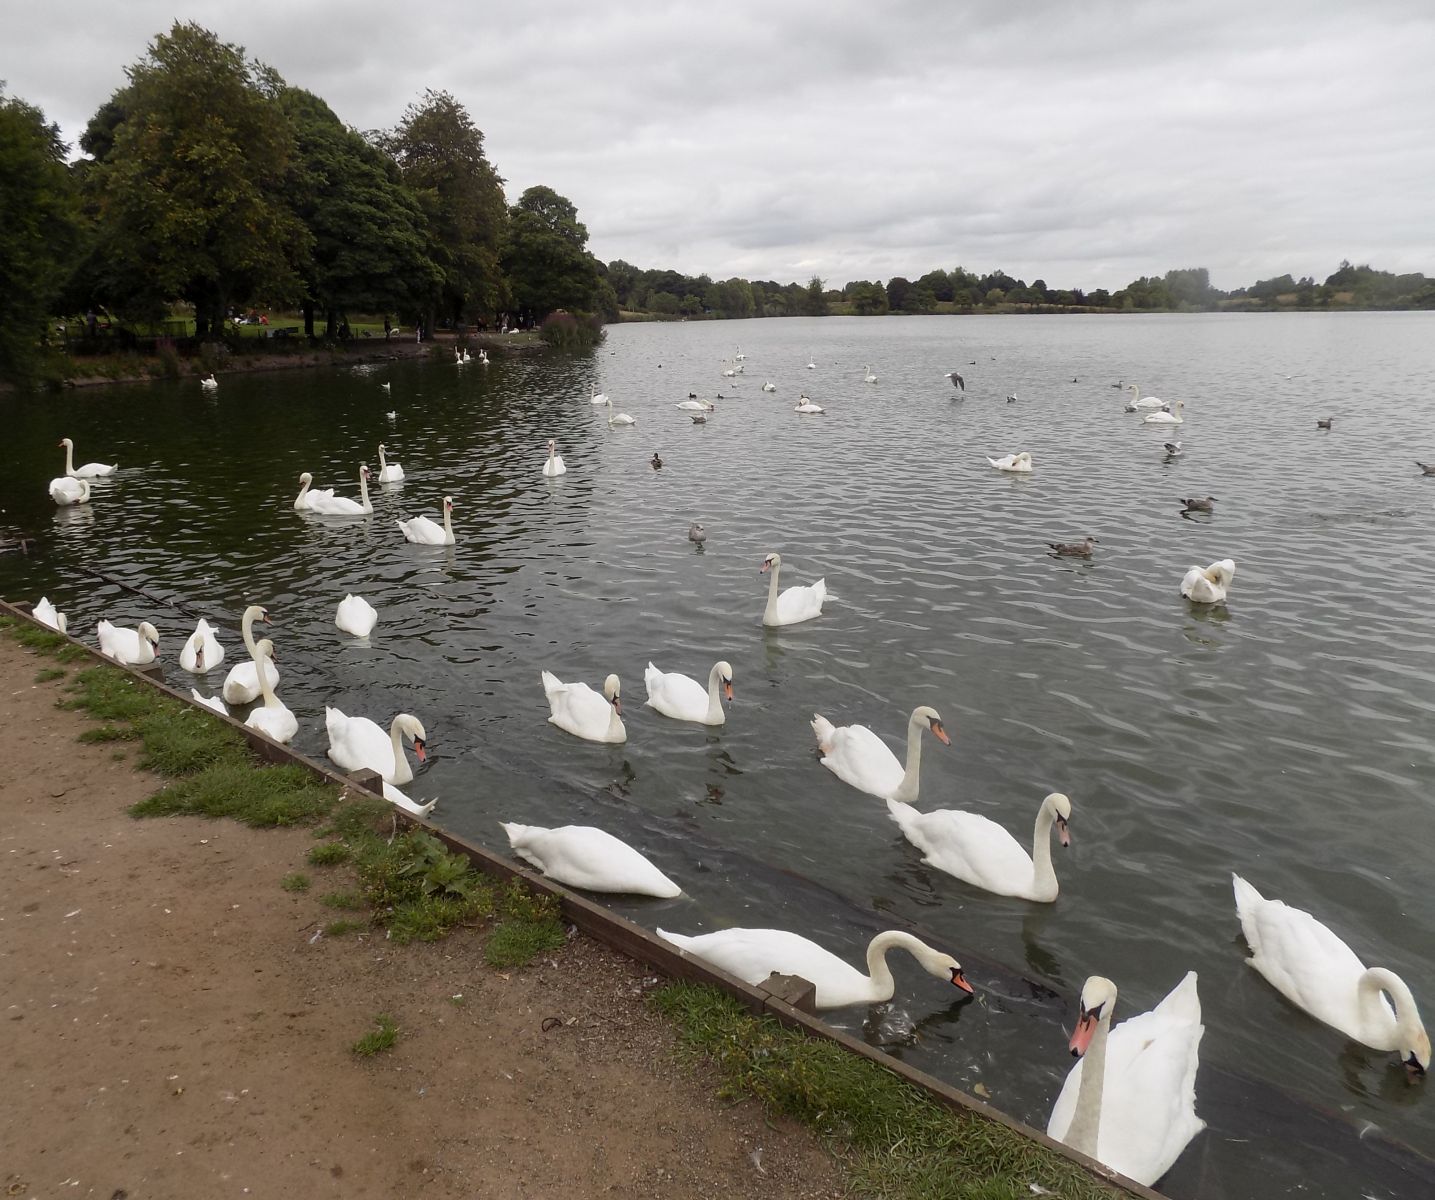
(308, 310)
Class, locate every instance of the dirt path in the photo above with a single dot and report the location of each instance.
(172, 1028)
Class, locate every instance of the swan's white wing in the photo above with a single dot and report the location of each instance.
(577, 708)
(859, 757)
(754, 954)
(357, 743)
(801, 603)
(674, 695)
(971, 847)
(585, 857)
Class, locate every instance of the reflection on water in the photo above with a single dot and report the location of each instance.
(1283, 734)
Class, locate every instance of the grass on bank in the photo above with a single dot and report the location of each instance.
(897, 1142)
(407, 882)
(379, 1039)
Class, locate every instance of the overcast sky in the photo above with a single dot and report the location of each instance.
(1083, 143)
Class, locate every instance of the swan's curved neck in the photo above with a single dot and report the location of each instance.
(448, 521)
(402, 774)
(911, 776)
(270, 699)
(382, 461)
(715, 713)
(879, 973)
(1085, 1127)
(615, 722)
(69, 459)
(303, 491)
(364, 492)
(246, 631)
(1375, 1016)
(770, 616)
(1043, 874)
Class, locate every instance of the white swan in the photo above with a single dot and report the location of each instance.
(685, 699)
(202, 651)
(1137, 401)
(871, 375)
(209, 382)
(811, 366)
(621, 418)
(483, 361)
(273, 717)
(211, 702)
(1316, 971)
(356, 615)
(1209, 585)
(804, 405)
(136, 647)
(1131, 1101)
(1020, 463)
(1166, 418)
(389, 472)
(65, 491)
(47, 614)
(801, 602)
(694, 405)
(597, 397)
(331, 505)
(241, 685)
(431, 533)
(579, 710)
(769, 386)
(358, 744)
(306, 500)
(89, 470)
(589, 858)
(554, 463)
(754, 954)
(858, 756)
(397, 798)
(739, 356)
(981, 852)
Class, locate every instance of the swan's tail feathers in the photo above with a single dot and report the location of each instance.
(651, 681)
(680, 940)
(516, 832)
(551, 685)
(903, 814)
(1183, 1002)
(820, 590)
(1247, 901)
(824, 729)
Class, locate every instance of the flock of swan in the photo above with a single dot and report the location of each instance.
(1129, 1101)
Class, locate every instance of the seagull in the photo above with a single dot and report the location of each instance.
(1080, 549)
(1425, 468)
(1199, 504)
(957, 381)
(696, 533)
(698, 418)
(1172, 449)
(1323, 424)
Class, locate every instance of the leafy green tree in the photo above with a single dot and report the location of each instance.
(190, 189)
(815, 299)
(440, 155)
(545, 256)
(39, 232)
(939, 283)
(899, 293)
(868, 299)
(369, 237)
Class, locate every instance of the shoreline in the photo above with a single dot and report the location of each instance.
(179, 1025)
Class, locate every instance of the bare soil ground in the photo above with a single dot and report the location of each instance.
(170, 1026)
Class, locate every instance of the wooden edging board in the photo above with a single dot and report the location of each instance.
(621, 934)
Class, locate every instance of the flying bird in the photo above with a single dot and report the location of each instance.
(957, 381)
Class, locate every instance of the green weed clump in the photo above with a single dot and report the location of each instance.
(378, 1040)
(257, 796)
(49, 674)
(898, 1142)
(329, 854)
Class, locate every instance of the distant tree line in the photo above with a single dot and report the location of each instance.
(671, 294)
(209, 182)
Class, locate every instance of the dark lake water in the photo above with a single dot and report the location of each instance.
(1286, 735)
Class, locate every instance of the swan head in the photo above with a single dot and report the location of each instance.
(552, 444)
(448, 504)
(67, 444)
(770, 563)
(613, 690)
(934, 723)
(1098, 998)
(1060, 805)
(1417, 1059)
(306, 478)
(257, 612)
(723, 671)
(150, 634)
(414, 728)
(364, 471)
(264, 648)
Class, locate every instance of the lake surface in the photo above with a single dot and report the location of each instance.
(1285, 735)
